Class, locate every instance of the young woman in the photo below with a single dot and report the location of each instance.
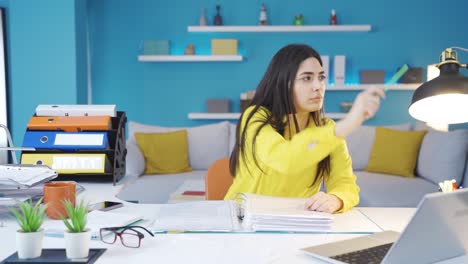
(286, 147)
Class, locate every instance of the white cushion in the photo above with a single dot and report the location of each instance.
(443, 155)
(135, 161)
(360, 144)
(232, 136)
(465, 177)
(206, 143)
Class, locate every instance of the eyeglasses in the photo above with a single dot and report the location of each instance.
(129, 235)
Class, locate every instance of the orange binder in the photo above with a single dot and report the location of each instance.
(70, 123)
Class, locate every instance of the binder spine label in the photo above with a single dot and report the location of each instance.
(79, 139)
(78, 163)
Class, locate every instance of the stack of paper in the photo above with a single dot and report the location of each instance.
(265, 213)
(25, 175)
(252, 213)
(196, 216)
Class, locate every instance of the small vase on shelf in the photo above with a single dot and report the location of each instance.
(263, 20)
(333, 18)
(189, 50)
(202, 21)
(218, 19)
(299, 20)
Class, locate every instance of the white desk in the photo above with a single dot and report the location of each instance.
(209, 247)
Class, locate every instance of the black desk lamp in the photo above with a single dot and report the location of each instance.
(443, 99)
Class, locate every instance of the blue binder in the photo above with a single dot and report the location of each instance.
(65, 140)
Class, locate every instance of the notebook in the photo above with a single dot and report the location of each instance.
(257, 213)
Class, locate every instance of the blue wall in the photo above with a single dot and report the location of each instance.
(44, 68)
(48, 48)
(163, 93)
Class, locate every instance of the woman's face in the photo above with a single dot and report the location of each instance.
(309, 86)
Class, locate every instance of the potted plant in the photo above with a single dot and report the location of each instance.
(30, 235)
(77, 236)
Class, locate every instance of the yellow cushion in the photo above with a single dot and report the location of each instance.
(164, 152)
(395, 152)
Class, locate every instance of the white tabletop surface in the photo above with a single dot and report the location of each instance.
(209, 247)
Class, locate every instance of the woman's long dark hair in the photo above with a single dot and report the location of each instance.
(275, 93)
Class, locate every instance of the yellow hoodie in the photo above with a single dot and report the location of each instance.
(289, 166)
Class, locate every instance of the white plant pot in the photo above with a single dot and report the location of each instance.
(77, 244)
(29, 245)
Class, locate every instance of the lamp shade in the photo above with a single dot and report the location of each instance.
(443, 99)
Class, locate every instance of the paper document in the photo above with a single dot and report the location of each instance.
(266, 213)
(253, 213)
(25, 175)
(196, 216)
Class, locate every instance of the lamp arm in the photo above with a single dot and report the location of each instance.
(459, 48)
(462, 49)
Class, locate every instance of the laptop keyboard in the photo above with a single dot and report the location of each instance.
(371, 255)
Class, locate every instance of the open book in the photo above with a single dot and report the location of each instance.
(252, 213)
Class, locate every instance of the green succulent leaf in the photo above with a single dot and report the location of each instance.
(77, 216)
(30, 216)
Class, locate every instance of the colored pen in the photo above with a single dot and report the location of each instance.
(403, 69)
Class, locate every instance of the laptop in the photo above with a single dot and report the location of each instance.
(438, 231)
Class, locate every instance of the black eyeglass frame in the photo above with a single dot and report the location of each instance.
(119, 234)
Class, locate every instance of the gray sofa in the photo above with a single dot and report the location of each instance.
(443, 156)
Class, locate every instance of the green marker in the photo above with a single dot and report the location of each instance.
(396, 76)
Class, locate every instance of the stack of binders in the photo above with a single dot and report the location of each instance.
(78, 141)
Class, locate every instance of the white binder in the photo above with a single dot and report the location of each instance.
(76, 110)
(339, 69)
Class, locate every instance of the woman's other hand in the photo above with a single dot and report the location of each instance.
(324, 202)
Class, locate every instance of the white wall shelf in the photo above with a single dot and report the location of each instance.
(207, 116)
(335, 115)
(188, 58)
(286, 29)
(359, 87)
(234, 116)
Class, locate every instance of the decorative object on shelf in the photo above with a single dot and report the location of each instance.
(202, 21)
(246, 99)
(189, 50)
(298, 20)
(326, 65)
(30, 235)
(443, 99)
(224, 46)
(339, 66)
(218, 19)
(345, 106)
(432, 72)
(333, 18)
(156, 47)
(217, 105)
(371, 76)
(77, 236)
(263, 20)
(413, 75)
